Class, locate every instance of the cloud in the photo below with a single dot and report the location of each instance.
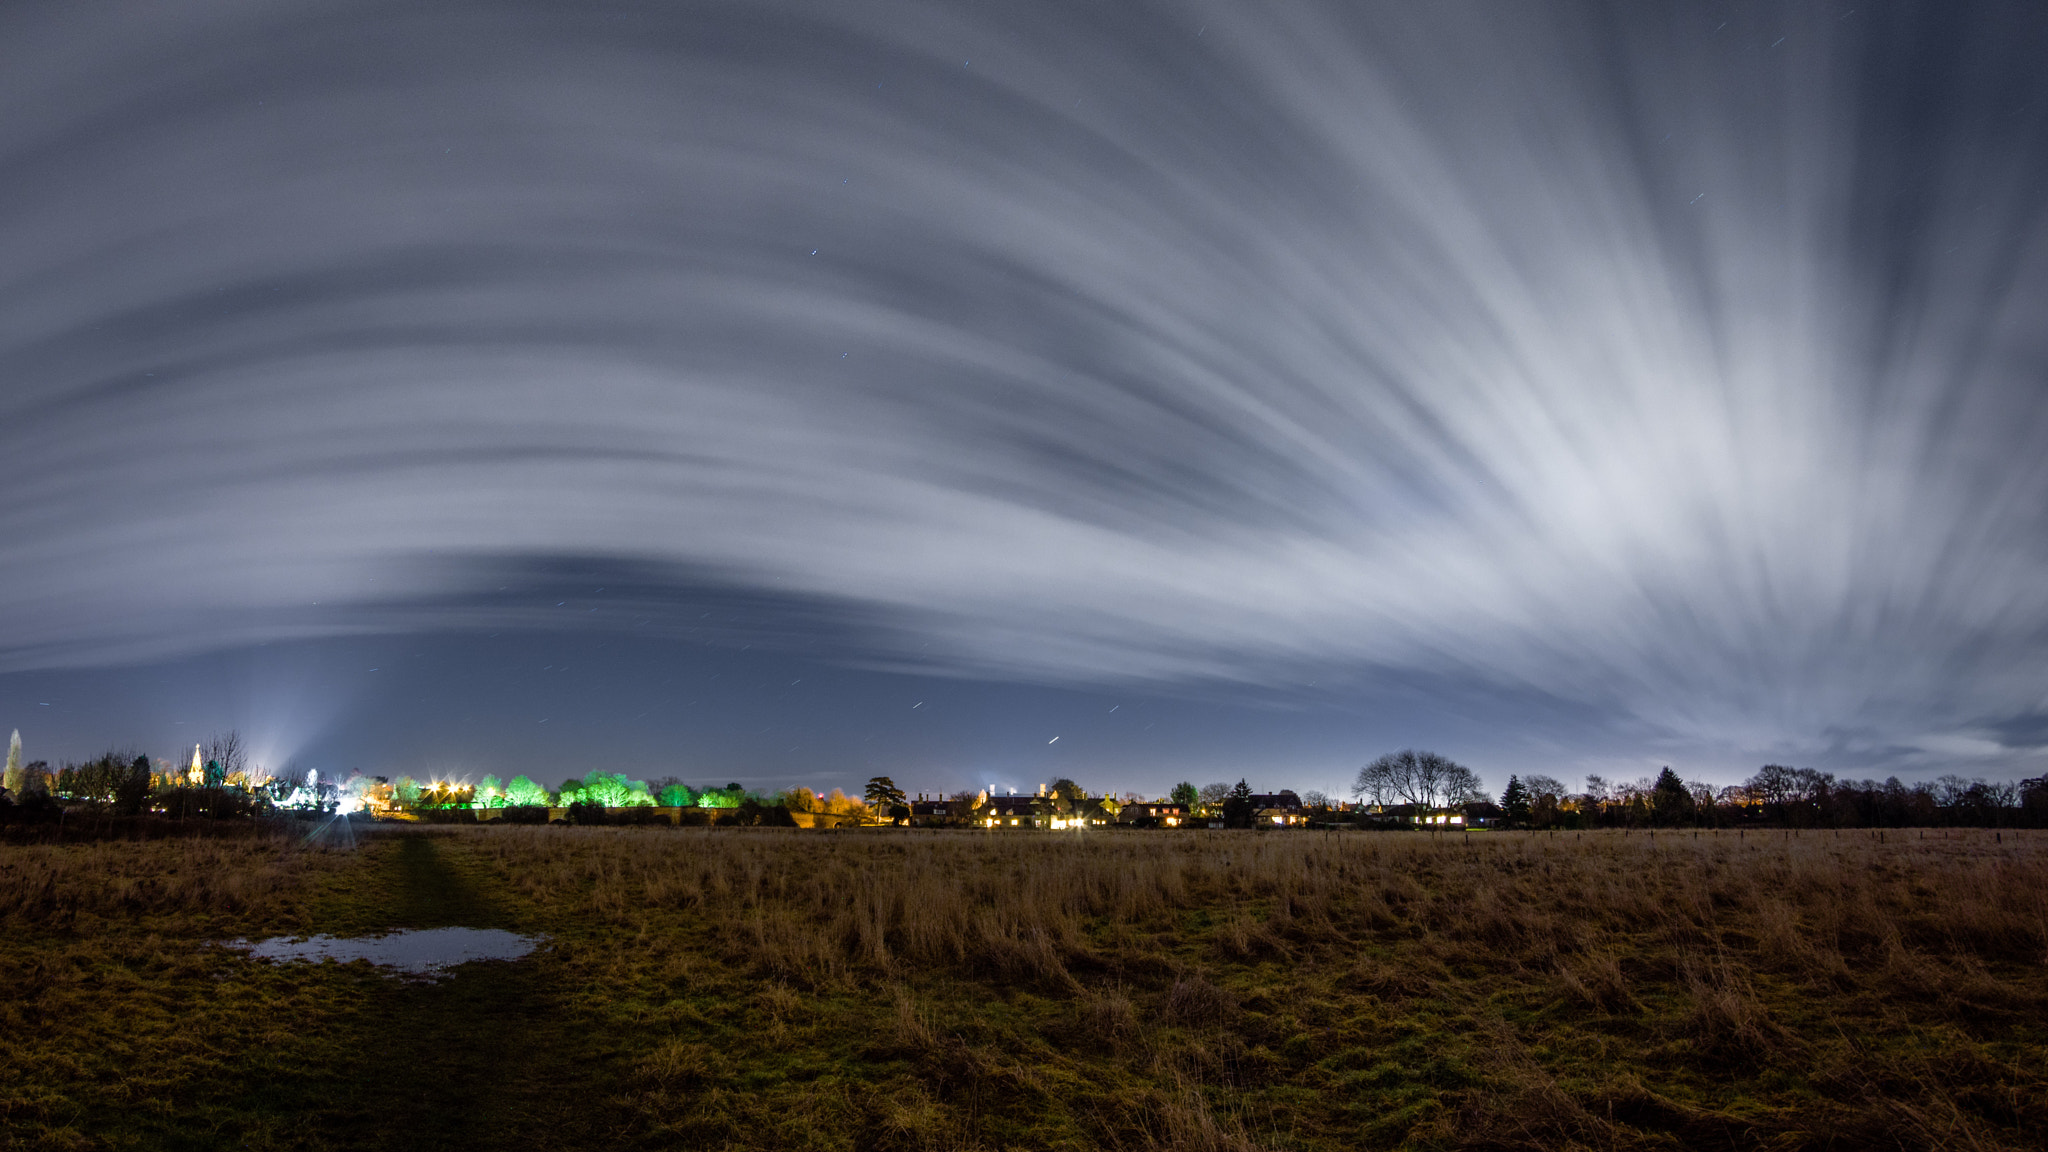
(1678, 366)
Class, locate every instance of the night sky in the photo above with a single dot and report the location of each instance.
(978, 393)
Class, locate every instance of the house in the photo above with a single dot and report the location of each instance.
(1153, 814)
(1281, 809)
(1482, 814)
(1096, 812)
(1012, 811)
(936, 810)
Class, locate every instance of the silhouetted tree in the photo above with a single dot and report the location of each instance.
(1237, 807)
(1671, 802)
(131, 792)
(1423, 779)
(883, 794)
(1514, 800)
(226, 757)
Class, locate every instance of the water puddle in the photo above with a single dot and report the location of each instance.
(423, 953)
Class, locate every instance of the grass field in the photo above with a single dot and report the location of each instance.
(909, 990)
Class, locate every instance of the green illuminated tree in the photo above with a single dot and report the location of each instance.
(603, 789)
(726, 797)
(614, 791)
(1186, 795)
(522, 792)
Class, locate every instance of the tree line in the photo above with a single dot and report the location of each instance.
(1776, 796)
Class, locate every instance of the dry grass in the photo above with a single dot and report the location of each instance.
(251, 875)
(908, 990)
(1502, 990)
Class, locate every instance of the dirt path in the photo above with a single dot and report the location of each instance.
(488, 1057)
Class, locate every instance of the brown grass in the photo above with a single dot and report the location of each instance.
(1505, 989)
(250, 874)
(911, 990)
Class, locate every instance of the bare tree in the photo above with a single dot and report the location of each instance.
(226, 751)
(1424, 779)
(1375, 782)
(1461, 786)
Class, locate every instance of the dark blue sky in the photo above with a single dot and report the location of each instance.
(1222, 389)
(552, 706)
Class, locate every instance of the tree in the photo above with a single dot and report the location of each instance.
(12, 780)
(1461, 786)
(1315, 799)
(883, 794)
(1067, 790)
(226, 758)
(1186, 795)
(1670, 801)
(730, 796)
(522, 792)
(1514, 800)
(131, 789)
(1237, 807)
(838, 803)
(1375, 783)
(1423, 779)
(1212, 794)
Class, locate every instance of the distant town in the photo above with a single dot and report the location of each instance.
(1401, 790)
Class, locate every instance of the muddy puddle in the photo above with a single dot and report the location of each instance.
(423, 952)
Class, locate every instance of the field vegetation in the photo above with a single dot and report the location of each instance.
(900, 989)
